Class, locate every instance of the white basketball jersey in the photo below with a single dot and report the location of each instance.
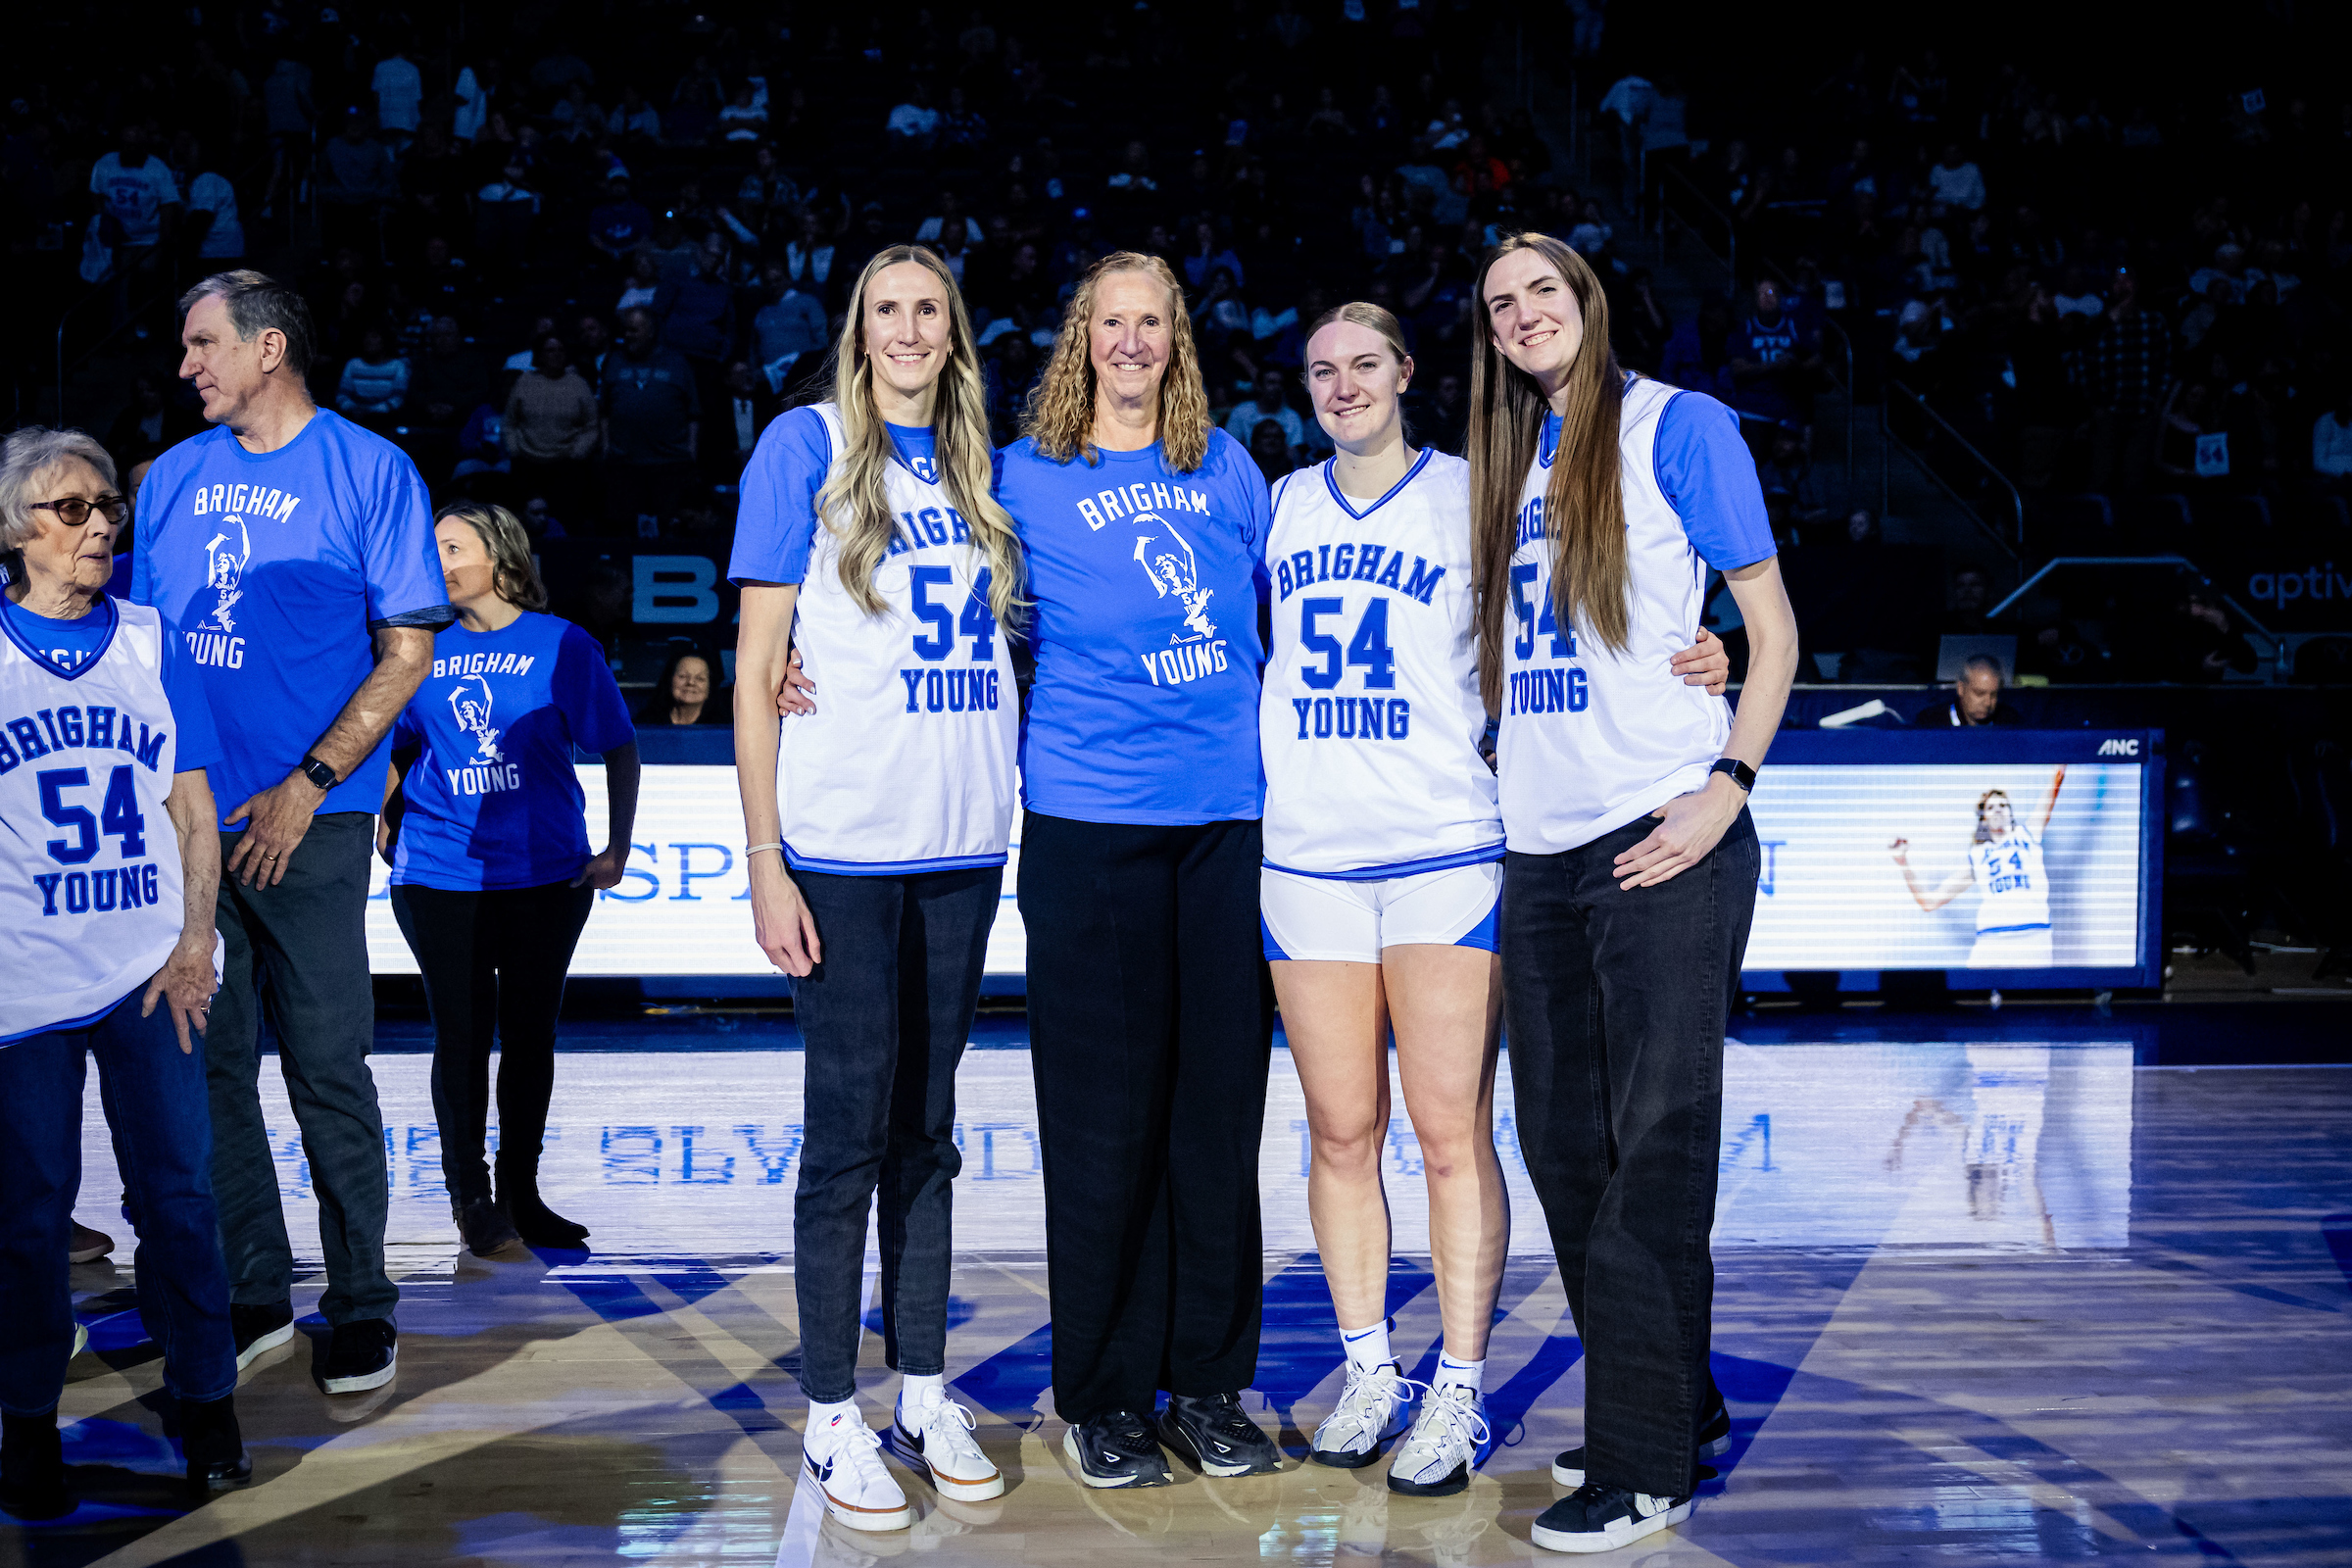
(1370, 718)
(89, 864)
(906, 765)
(2008, 871)
(1593, 738)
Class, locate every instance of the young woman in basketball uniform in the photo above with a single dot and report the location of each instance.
(1382, 874)
(878, 819)
(1599, 502)
(2004, 858)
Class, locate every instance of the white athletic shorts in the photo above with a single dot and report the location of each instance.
(1350, 922)
(2011, 950)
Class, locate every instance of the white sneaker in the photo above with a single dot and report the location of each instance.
(938, 1436)
(844, 1459)
(1376, 1405)
(1448, 1440)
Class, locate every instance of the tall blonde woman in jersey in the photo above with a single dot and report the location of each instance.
(878, 816)
(2004, 858)
(1383, 876)
(1598, 503)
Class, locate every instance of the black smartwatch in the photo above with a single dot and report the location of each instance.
(1741, 774)
(320, 773)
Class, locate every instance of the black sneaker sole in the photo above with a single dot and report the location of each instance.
(1458, 1480)
(1107, 1482)
(1340, 1459)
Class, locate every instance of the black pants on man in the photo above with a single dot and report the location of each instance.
(493, 963)
(1614, 1003)
(1149, 1039)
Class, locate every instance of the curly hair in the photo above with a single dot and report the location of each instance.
(1983, 804)
(1060, 416)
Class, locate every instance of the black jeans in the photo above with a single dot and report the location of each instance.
(493, 963)
(1148, 1037)
(883, 1021)
(300, 951)
(1614, 1003)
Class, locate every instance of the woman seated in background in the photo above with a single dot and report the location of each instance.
(686, 694)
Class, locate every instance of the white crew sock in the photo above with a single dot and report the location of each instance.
(827, 1422)
(920, 1391)
(1471, 1375)
(1367, 1347)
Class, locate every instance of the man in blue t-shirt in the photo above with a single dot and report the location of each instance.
(292, 554)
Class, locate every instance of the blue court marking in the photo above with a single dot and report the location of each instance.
(2338, 1230)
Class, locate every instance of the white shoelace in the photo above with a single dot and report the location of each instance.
(1462, 1417)
(1371, 1395)
(949, 1421)
(858, 1449)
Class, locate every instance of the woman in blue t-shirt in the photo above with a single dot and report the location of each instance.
(1598, 504)
(492, 878)
(1145, 532)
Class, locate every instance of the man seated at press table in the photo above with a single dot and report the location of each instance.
(1976, 699)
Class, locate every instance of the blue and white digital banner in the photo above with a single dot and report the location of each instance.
(684, 907)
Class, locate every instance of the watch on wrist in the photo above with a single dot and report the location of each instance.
(1741, 774)
(320, 773)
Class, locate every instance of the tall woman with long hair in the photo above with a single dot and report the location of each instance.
(1599, 502)
(1383, 876)
(879, 820)
(1146, 532)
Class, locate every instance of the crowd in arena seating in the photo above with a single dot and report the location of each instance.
(579, 268)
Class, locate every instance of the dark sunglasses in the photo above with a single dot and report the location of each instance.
(73, 512)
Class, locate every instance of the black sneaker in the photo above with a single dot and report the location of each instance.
(1714, 1436)
(1117, 1450)
(362, 1355)
(259, 1329)
(212, 1444)
(1598, 1518)
(32, 1468)
(88, 1246)
(538, 1224)
(1215, 1434)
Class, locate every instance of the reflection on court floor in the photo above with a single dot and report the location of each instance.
(1974, 1301)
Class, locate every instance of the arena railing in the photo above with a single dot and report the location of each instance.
(1982, 489)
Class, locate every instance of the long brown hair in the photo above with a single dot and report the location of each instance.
(856, 503)
(1060, 416)
(1584, 505)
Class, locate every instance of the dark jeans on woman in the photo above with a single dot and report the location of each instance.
(493, 963)
(300, 951)
(1148, 1036)
(883, 1023)
(1614, 1003)
(155, 1102)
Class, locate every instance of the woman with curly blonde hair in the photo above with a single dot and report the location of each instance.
(1146, 528)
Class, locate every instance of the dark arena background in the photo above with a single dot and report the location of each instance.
(2036, 321)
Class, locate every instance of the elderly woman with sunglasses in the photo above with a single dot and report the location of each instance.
(109, 864)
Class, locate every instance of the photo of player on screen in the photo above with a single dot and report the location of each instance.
(2004, 858)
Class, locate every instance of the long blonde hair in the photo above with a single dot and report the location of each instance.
(1060, 416)
(1584, 505)
(854, 503)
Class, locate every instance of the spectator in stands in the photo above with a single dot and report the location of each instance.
(633, 119)
(448, 379)
(2204, 642)
(149, 424)
(622, 224)
(2331, 444)
(375, 381)
(700, 321)
(212, 225)
(2129, 370)
(551, 428)
(652, 421)
(1267, 406)
(357, 185)
(1773, 363)
(792, 324)
(744, 408)
(591, 343)
(1976, 699)
(1956, 181)
(914, 125)
(644, 291)
(1206, 255)
(685, 695)
(503, 214)
(1272, 450)
(137, 202)
(399, 88)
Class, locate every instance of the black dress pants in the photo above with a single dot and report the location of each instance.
(1148, 1037)
(1614, 1004)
